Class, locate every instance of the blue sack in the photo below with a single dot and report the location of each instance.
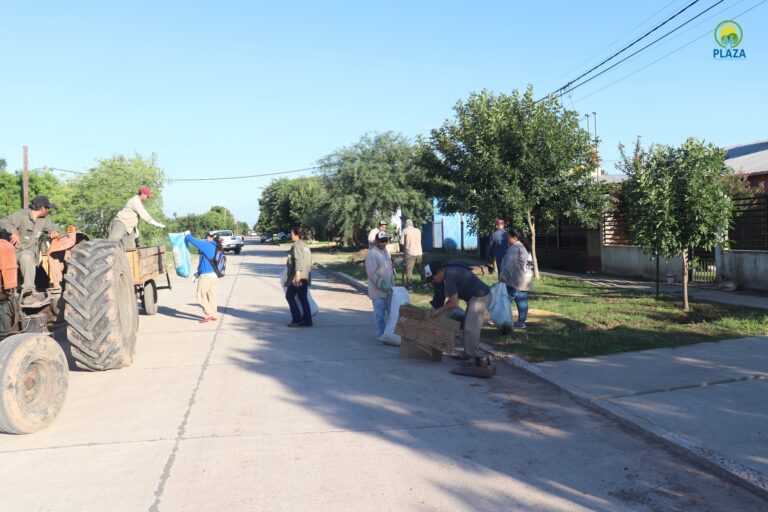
(181, 259)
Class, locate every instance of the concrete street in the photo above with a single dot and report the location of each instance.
(245, 414)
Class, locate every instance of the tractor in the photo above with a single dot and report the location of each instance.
(89, 286)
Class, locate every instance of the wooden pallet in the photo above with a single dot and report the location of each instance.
(423, 336)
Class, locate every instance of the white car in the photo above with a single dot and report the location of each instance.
(229, 241)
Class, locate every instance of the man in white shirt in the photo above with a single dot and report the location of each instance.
(378, 266)
(375, 231)
(123, 226)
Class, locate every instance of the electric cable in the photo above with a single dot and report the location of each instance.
(678, 13)
(663, 56)
(571, 89)
(609, 45)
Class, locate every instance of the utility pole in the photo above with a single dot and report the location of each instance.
(25, 180)
(594, 116)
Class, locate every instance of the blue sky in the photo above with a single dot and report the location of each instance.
(231, 88)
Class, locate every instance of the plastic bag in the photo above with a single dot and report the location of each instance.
(398, 298)
(500, 309)
(312, 304)
(181, 259)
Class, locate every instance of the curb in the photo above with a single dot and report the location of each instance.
(719, 464)
(344, 278)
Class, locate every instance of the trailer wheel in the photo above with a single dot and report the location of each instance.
(149, 298)
(100, 306)
(34, 379)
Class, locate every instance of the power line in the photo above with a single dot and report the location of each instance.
(221, 178)
(678, 13)
(571, 89)
(609, 45)
(708, 32)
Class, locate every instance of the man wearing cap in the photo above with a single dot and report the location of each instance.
(498, 245)
(378, 266)
(459, 283)
(26, 227)
(126, 221)
(382, 227)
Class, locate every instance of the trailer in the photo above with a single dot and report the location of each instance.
(149, 269)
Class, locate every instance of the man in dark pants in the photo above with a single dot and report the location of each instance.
(498, 245)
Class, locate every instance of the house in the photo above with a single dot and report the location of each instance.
(448, 232)
(746, 262)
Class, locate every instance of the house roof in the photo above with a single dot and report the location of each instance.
(748, 158)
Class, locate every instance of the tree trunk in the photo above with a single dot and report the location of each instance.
(686, 307)
(532, 229)
(657, 276)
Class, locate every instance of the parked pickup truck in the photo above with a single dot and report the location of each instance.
(229, 241)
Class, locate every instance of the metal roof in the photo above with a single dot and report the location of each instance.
(748, 158)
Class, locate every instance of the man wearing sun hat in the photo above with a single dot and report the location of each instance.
(378, 266)
(124, 226)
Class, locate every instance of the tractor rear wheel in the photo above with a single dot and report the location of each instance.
(100, 306)
(34, 379)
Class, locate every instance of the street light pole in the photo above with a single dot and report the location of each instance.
(594, 115)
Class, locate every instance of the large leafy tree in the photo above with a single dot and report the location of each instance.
(511, 157)
(676, 198)
(99, 193)
(370, 180)
(288, 202)
(218, 217)
(41, 181)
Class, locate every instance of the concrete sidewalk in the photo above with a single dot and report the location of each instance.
(709, 400)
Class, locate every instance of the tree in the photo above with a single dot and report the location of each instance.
(41, 182)
(510, 157)
(370, 180)
(677, 198)
(218, 217)
(288, 202)
(101, 192)
(10, 199)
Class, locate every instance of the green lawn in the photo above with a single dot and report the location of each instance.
(571, 318)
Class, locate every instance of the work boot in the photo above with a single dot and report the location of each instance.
(481, 369)
(31, 298)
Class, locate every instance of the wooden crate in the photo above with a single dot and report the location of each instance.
(147, 263)
(426, 332)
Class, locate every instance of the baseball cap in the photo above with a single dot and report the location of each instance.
(382, 236)
(500, 222)
(431, 269)
(208, 234)
(41, 202)
(145, 190)
(382, 223)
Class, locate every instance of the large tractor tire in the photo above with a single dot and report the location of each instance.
(34, 379)
(100, 308)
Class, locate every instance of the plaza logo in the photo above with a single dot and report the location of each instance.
(728, 36)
